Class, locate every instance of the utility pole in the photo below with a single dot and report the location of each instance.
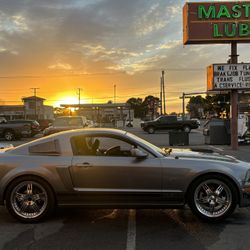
(183, 106)
(34, 91)
(161, 94)
(163, 90)
(79, 99)
(114, 93)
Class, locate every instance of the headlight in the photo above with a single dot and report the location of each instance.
(247, 178)
(45, 131)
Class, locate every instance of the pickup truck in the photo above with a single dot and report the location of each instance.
(11, 131)
(64, 123)
(169, 122)
(34, 125)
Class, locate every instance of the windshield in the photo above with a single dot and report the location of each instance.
(162, 151)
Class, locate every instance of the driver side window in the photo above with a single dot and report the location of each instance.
(113, 147)
(100, 146)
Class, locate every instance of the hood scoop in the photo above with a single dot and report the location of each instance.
(201, 154)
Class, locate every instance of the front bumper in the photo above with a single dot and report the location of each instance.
(244, 198)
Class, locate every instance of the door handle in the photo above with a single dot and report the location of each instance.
(84, 165)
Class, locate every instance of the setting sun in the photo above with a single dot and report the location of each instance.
(67, 98)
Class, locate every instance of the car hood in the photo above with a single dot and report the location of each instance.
(62, 128)
(201, 154)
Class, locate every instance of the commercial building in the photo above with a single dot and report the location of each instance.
(104, 113)
(244, 103)
(33, 108)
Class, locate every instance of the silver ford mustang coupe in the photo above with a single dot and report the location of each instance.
(109, 168)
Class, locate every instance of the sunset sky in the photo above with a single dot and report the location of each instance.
(61, 45)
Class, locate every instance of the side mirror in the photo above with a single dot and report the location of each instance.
(135, 152)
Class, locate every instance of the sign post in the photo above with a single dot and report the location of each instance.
(234, 103)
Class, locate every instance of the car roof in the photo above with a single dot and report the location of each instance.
(92, 130)
(76, 132)
(67, 135)
(68, 117)
(22, 120)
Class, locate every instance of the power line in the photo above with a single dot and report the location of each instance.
(101, 98)
(92, 74)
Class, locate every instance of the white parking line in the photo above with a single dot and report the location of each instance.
(131, 235)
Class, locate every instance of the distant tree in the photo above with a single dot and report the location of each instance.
(195, 104)
(136, 105)
(221, 104)
(150, 106)
(142, 108)
(211, 104)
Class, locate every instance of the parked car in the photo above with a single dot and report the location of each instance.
(90, 124)
(197, 120)
(34, 125)
(113, 168)
(45, 123)
(64, 123)
(11, 131)
(169, 122)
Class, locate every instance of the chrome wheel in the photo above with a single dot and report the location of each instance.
(151, 130)
(213, 198)
(9, 136)
(29, 199)
(186, 129)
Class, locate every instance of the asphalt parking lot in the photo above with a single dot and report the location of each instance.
(75, 228)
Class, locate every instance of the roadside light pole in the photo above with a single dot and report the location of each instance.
(183, 106)
(114, 93)
(79, 99)
(234, 102)
(163, 92)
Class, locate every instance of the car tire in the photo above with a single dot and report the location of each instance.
(186, 129)
(151, 130)
(30, 199)
(212, 198)
(9, 135)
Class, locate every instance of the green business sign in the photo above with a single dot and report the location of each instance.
(213, 22)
